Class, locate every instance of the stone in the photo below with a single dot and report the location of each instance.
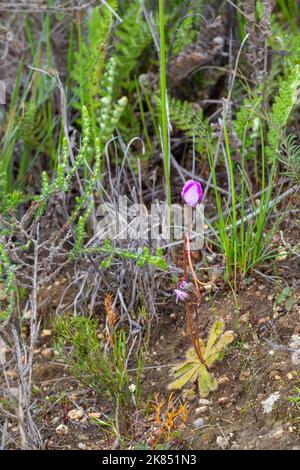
(263, 320)
(62, 429)
(201, 410)
(273, 374)
(94, 415)
(81, 445)
(47, 353)
(222, 442)
(223, 380)
(204, 402)
(27, 315)
(76, 414)
(245, 318)
(295, 344)
(223, 401)
(3, 351)
(46, 333)
(269, 402)
(297, 328)
(278, 434)
(189, 394)
(198, 423)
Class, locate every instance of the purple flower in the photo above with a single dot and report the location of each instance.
(192, 192)
(181, 294)
(183, 284)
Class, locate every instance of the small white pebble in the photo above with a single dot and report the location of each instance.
(47, 353)
(62, 429)
(76, 414)
(278, 434)
(95, 415)
(198, 423)
(222, 442)
(45, 333)
(204, 402)
(201, 410)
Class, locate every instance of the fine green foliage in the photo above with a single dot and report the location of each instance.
(77, 341)
(193, 369)
(188, 120)
(110, 112)
(140, 258)
(80, 232)
(242, 234)
(285, 298)
(247, 117)
(65, 173)
(27, 123)
(186, 33)
(8, 201)
(132, 37)
(8, 277)
(8, 140)
(90, 58)
(95, 77)
(61, 182)
(296, 398)
(284, 104)
(289, 156)
(290, 11)
(28, 119)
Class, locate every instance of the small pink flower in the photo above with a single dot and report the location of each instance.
(181, 294)
(183, 284)
(192, 192)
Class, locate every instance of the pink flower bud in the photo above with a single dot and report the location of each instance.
(192, 192)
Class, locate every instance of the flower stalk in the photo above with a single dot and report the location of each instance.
(194, 336)
(192, 194)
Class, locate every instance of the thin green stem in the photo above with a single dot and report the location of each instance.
(164, 101)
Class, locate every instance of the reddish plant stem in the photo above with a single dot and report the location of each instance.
(185, 259)
(190, 326)
(194, 337)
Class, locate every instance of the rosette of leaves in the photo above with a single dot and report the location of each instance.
(193, 369)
